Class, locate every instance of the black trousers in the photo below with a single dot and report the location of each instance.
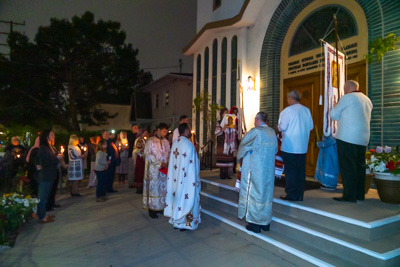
(101, 179)
(295, 175)
(110, 178)
(51, 202)
(352, 169)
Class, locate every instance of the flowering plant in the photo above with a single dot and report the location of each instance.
(15, 209)
(383, 159)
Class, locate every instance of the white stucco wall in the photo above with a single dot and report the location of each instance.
(206, 14)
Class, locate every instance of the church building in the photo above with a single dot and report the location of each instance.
(269, 47)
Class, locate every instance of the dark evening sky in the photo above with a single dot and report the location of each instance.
(158, 28)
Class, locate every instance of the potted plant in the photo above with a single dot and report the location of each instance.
(385, 164)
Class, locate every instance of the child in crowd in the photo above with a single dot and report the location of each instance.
(100, 167)
(123, 149)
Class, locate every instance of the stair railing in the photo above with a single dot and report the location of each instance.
(207, 155)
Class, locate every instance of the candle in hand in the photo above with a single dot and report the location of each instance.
(84, 148)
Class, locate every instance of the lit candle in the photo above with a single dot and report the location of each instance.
(192, 131)
(18, 155)
(145, 138)
(62, 149)
(84, 148)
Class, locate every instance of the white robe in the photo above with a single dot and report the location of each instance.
(183, 186)
(155, 182)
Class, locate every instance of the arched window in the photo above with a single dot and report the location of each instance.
(318, 24)
(234, 70)
(198, 83)
(214, 71)
(223, 71)
(206, 68)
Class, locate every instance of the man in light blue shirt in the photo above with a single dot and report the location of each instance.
(295, 123)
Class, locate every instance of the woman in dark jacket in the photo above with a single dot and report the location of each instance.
(46, 162)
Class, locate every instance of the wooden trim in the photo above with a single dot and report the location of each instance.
(217, 24)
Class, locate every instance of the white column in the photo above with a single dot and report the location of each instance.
(194, 89)
(228, 72)
(219, 69)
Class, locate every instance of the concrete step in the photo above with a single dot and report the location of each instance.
(281, 245)
(352, 228)
(316, 237)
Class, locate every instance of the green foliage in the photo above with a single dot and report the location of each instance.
(203, 104)
(378, 47)
(71, 67)
(15, 209)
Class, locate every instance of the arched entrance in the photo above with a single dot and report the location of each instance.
(294, 64)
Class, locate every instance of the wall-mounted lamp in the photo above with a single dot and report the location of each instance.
(250, 84)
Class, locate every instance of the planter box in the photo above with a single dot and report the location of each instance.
(388, 186)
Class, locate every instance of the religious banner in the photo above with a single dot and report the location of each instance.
(334, 85)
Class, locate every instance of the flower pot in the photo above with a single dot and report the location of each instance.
(388, 186)
(368, 178)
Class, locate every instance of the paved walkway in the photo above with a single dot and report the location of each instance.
(120, 233)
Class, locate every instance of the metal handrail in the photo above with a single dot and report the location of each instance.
(207, 154)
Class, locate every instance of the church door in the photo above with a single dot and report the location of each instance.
(309, 88)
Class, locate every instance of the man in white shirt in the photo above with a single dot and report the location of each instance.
(353, 113)
(295, 123)
(182, 119)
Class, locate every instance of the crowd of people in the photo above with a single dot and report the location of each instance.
(165, 169)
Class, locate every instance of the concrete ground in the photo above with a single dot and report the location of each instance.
(120, 233)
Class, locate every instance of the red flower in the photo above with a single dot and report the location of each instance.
(391, 166)
(372, 150)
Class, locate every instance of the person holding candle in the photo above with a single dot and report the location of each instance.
(113, 157)
(85, 151)
(123, 148)
(132, 135)
(156, 152)
(100, 167)
(139, 161)
(46, 162)
(92, 154)
(75, 168)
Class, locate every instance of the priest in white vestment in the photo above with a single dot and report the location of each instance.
(156, 153)
(257, 150)
(183, 183)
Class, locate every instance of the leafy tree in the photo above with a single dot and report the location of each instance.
(71, 67)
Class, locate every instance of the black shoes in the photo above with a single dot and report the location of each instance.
(114, 191)
(76, 195)
(341, 199)
(139, 191)
(153, 214)
(254, 228)
(285, 197)
(56, 206)
(265, 227)
(182, 230)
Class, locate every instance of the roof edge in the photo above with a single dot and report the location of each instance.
(217, 24)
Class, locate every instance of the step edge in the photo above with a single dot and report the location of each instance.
(271, 241)
(381, 256)
(368, 225)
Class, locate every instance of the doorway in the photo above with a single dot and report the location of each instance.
(309, 88)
